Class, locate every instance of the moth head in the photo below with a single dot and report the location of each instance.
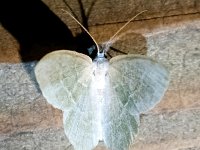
(101, 53)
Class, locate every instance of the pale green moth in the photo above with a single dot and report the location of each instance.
(101, 99)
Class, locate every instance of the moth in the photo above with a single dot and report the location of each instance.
(101, 100)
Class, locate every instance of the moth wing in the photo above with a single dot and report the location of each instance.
(65, 79)
(80, 124)
(62, 75)
(135, 85)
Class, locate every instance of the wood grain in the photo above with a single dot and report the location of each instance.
(169, 33)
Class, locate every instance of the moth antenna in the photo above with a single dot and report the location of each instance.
(112, 38)
(83, 28)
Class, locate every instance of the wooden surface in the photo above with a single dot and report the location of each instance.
(169, 32)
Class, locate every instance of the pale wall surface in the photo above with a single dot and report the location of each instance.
(28, 122)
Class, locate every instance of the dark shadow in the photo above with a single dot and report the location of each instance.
(35, 27)
(39, 31)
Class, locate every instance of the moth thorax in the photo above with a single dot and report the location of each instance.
(100, 71)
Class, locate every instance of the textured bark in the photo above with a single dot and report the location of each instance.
(170, 34)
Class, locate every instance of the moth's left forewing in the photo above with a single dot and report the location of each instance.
(135, 85)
